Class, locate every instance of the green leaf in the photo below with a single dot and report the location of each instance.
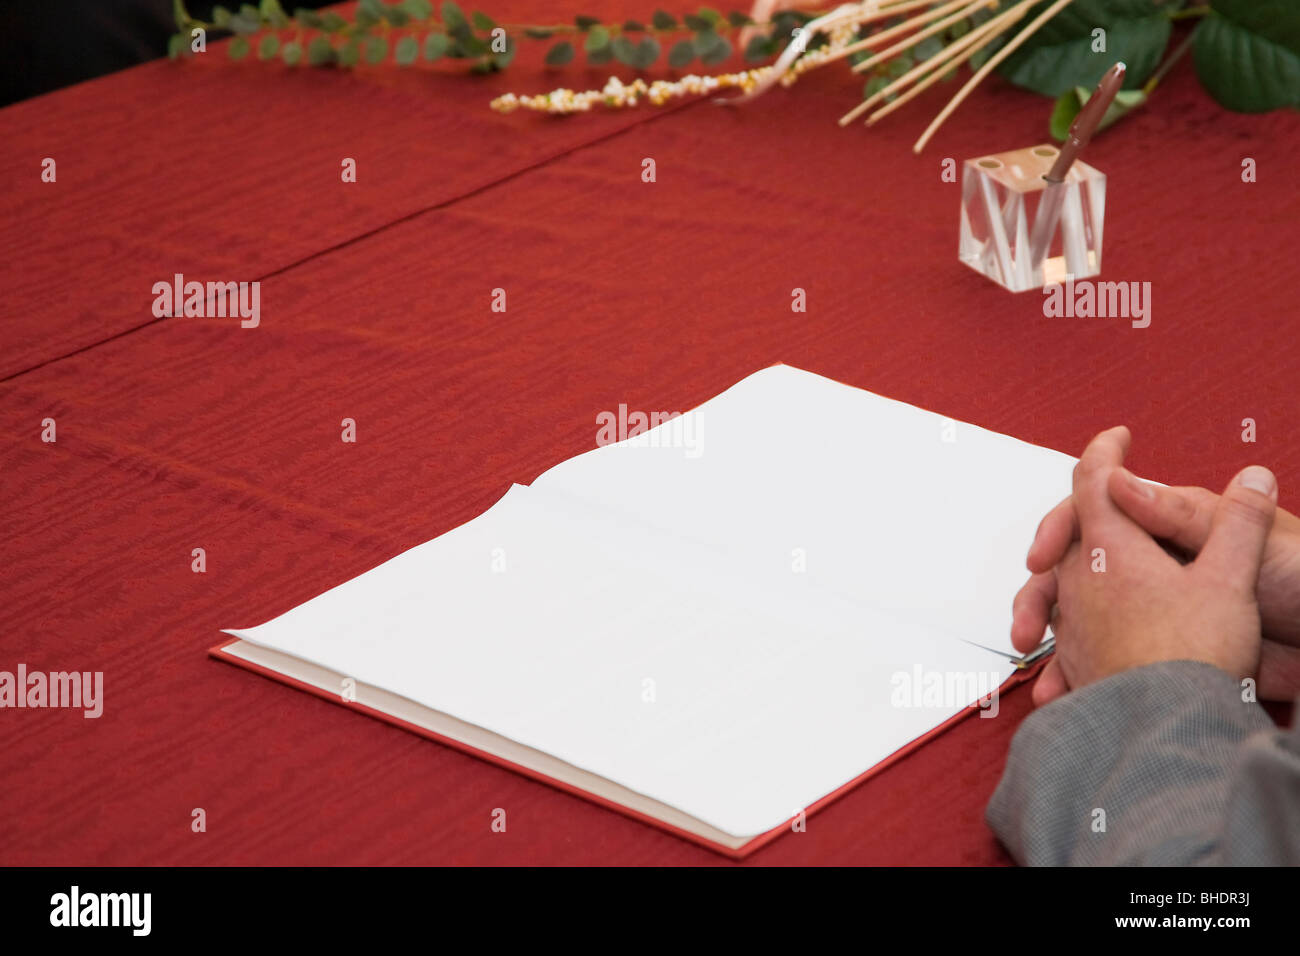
(597, 37)
(899, 65)
(585, 22)
(601, 55)
(350, 52)
(633, 26)
(739, 19)
(482, 21)
(375, 49)
(332, 22)
(718, 53)
(711, 47)
(308, 18)
(711, 15)
(407, 51)
(681, 55)
(1248, 55)
(1068, 105)
(1063, 113)
(396, 16)
(560, 54)
(981, 54)
(320, 51)
(696, 23)
(178, 45)
(273, 13)
(245, 24)
(647, 52)
(758, 48)
(503, 59)
(874, 86)
(927, 48)
(239, 48)
(1060, 55)
(663, 21)
(291, 52)
(181, 17)
(538, 33)
(471, 45)
(1125, 102)
(435, 45)
(418, 9)
(705, 41)
(624, 51)
(221, 17)
(452, 15)
(269, 47)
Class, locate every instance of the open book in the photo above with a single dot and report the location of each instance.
(715, 625)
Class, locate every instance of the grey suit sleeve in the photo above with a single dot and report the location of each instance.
(1161, 765)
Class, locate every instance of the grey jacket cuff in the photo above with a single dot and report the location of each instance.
(1135, 769)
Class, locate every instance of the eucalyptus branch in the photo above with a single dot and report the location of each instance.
(409, 30)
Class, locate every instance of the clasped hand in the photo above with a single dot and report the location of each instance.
(1130, 573)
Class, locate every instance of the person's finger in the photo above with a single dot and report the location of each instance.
(1030, 610)
(1055, 532)
(1179, 515)
(1234, 549)
(1102, 525)
(1104, 454)
(1050, 684)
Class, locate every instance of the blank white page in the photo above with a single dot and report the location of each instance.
(805, 482)
(642, 614)
(622, 653)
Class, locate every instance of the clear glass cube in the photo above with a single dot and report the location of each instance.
(1002, 198)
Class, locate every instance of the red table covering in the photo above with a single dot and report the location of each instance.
(175, 434)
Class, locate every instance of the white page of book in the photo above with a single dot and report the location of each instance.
(803, 481)
(626, 653)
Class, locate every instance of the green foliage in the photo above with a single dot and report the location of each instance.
(681, 55)
(272, 13)
(1061, 54)
(268, 47)
(1247, 54)
(759, 48)
(1069, 103)
(560, 54)
(663, 21)
(435, 45)
(374, 49)
(597, 37)
(452, 16)
(320, 52)
(407, 51)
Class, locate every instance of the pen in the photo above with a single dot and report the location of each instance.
(1081, 130)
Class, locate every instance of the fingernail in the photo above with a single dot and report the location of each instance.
(1258, 478)
(1138, 485)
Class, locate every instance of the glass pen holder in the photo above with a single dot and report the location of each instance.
(1020, 234)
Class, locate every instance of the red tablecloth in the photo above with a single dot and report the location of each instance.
(175, 434)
